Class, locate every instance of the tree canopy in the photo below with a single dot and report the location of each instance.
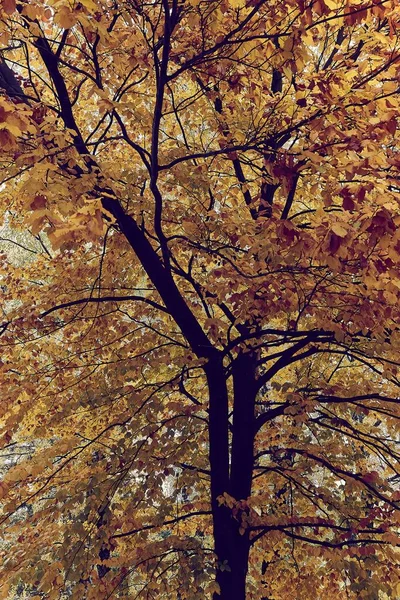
(201, 320)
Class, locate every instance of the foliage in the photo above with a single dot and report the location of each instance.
(201, 331)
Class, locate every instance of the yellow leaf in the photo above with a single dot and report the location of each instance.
(332, 4)
(213, 588)
(237, 3)
(65, 18)
(17, 474)
(58, 237)
(11, 128)
(89, 4)
(339, 230)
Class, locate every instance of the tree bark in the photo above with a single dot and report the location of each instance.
(231, 539)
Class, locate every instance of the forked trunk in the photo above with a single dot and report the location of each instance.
(231, 472)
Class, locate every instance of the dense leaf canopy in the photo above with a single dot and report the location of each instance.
(200, 295)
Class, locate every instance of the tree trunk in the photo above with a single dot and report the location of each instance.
(231, 575)
(231, 540)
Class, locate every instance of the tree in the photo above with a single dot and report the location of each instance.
(200, 336)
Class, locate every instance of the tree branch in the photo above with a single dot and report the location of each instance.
(104, 299)
(170, 522)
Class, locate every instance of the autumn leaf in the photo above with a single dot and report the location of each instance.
(9, 6)
(38, 202)
(339, 230)
(65, 17)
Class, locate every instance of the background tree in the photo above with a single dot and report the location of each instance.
(199, 351)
